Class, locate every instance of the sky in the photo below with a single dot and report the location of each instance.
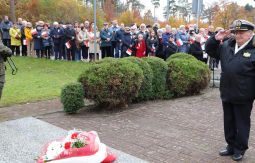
(159, 11)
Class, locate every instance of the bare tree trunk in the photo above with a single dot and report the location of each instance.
(12, 10)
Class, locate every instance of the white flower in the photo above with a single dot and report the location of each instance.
(54, 149)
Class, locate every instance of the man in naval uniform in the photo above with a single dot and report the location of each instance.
(236, 50)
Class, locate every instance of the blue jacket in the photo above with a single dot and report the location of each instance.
(166, 37)
(114, 30)
(183, 36)
(119, 35)
(5, 28)
(104, 34)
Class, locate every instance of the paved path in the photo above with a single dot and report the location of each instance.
(185, 130)
(29, 109)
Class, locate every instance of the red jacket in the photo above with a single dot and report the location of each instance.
(140, 49)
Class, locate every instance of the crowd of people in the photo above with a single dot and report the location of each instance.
(76, 41)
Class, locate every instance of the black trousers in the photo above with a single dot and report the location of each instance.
(15, 49)
(106, 51)
(237, 124)
(85, 51)
(47, 50)
(70, 53)
(7, 42)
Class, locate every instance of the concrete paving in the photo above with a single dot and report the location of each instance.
(22, 140)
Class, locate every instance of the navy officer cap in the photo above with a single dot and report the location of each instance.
(242, 25)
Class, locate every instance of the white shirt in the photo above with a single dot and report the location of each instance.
(241, 47)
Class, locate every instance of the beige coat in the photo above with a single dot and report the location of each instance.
(91, 42)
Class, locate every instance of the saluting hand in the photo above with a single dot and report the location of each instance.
(222, 34)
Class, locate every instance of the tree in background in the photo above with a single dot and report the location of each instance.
(227, 13)
(49, 11)
(108, 10)
(135, 5)
(130, 17)
(156, 4)
(209, 12)
(148, 18)
(170, 9)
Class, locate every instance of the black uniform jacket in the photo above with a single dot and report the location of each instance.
(237, 83)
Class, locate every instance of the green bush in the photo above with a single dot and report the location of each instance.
(145, 92)
(187, 75)
(180, 56)
(72, 97)
(159, 69)
(112, 83)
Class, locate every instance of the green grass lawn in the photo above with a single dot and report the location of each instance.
(38, 79)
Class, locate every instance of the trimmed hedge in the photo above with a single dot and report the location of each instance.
(187, 75)
(180, 56)
(112, 83)
(159, 69)
(145, 92)
(72, 97)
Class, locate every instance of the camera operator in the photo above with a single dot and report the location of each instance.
(4, 53)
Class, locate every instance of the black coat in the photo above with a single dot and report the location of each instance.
(152, 45)
(160, 52)
(70, 35)
(237, 83)
(38, 45)
(57, 35)
(126, 42)
(196, 50)
(171, 48)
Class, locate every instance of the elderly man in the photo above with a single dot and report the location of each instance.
(113, 29)
(237, 84)
(4, 53)
(106, 44)
(5, 28)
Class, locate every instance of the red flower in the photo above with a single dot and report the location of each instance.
(74, 135)
(67, 145)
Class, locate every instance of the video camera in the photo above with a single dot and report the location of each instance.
(6, 54)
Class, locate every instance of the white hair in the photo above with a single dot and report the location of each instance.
(55, 23)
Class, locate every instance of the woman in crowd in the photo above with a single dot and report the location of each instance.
(77, 29)
(46, 41)
(204, 38)
(29, 39)
(196, 49)
(140, 46)
(37, 36)
(83, 38)
(152, 43)
(171, 47)
(92, 49)
(126, 49)
(160, 52)
(15, 39)
(182, 39)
